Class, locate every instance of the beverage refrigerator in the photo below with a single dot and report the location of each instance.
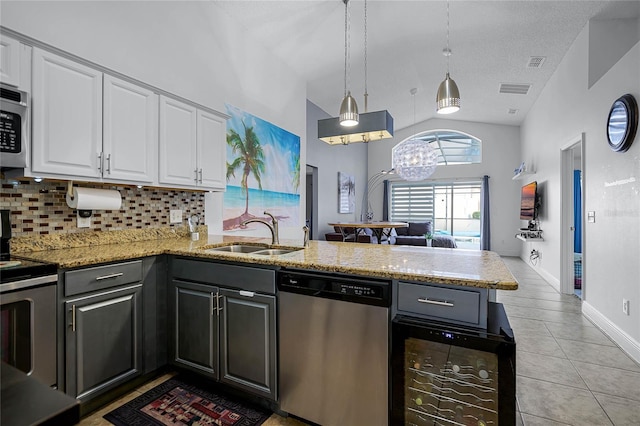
(445, 374)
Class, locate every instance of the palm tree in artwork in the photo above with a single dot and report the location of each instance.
(296, 173)
(250, 159)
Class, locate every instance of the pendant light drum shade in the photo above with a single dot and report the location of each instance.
(348, 111)
(448, 98)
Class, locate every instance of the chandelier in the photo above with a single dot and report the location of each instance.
(414, 159)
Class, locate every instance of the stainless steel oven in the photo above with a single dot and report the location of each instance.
(27, 311)
(14, 127)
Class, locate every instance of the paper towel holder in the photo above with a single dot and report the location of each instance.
(81, 213)
(85, 213)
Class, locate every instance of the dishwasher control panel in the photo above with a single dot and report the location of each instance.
(340, 287)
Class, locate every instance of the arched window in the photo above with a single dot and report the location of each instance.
(453, 147)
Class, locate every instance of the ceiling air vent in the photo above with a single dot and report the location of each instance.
(515, 88)
(536, 61)
(512, 111)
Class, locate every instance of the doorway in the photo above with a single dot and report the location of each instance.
(573, 250)
(312, 201)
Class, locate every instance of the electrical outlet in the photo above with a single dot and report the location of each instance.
(625, 306)
(175, 216)
(83, 222)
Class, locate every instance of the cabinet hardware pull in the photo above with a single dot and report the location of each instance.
(214, 309)
(106, 277)
(247, 293)
(73, 317)
(436, 302)
(100, 163)
(196, 172)
(200, 172)
(109, 163)
(218, 297)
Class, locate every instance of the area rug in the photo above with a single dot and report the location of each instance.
(179, 402)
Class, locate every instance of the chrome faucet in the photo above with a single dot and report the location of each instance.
(273, 226)
(306, 235)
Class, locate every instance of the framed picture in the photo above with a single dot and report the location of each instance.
(346, 193)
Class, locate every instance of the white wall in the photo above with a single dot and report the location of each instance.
(566, 108)
(500, 156)
(331, 159)
(191, 49)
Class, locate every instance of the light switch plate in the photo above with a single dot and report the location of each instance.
(84, 222)
(175, 216)
(591, 217)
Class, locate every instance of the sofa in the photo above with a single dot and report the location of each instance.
(415, 235)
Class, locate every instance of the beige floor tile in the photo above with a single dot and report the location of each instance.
(544, 345)
(612, 381)
(549, 368)
(621, 411)
(610, 356)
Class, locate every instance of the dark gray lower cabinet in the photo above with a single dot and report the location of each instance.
(196, 326)
(103, 340)
(221, 329)
(247, 340)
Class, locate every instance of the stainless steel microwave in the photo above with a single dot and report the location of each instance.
(14, 127)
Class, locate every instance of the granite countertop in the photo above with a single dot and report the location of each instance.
(473, 268)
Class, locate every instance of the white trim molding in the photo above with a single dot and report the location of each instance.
(622, 339)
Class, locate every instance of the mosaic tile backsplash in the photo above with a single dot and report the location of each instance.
(41, 208)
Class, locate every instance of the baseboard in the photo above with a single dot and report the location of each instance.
(622, 339)
(553, 281)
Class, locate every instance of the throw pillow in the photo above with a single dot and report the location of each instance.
(419, 228)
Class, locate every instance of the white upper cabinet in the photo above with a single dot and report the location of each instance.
(177, 143)
(191, 146)
(211, 162)
(67, 117)
(9, 61)
(130, 144)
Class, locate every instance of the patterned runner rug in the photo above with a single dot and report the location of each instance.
(177, 402)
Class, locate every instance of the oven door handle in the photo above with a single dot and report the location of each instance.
(436, 302)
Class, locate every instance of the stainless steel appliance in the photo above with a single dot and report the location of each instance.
(27, 312)
(451, 375)
(334, 348)
(14, 128)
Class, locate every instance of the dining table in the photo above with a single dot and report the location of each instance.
(379, 229)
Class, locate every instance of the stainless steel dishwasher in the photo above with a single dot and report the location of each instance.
(334, 348)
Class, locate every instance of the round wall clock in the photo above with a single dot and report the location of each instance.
(622, 123)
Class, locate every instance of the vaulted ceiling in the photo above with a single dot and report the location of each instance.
(492, 42)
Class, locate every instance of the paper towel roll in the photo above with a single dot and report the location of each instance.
(94, 199)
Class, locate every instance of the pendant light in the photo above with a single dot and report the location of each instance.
(371, 126)
(414, 159)
(348, 108)
(448, 98)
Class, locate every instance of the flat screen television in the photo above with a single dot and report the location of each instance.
(529, 201)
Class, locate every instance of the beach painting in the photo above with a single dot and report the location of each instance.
(263, 172)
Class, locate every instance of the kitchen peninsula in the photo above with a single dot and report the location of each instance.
(169, 291)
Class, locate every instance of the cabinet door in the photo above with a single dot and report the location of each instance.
(10, 61)
(130, 143)
(211, 151)
(195, 326)
(248, 342)
(177, 143)
(103, 341)
(67, 117)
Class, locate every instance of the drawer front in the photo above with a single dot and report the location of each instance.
(442, 303)
(101, 277)
(223, 275)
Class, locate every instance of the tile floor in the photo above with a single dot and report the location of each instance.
(568, 371)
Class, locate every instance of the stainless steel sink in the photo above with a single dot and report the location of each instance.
(236, 248)
(275, 252)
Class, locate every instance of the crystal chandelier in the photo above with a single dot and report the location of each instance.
(414, 159)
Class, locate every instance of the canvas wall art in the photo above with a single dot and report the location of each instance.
(263, 172)
(346, 193)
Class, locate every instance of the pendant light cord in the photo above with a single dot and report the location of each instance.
(448, 50)
(346, 45)
(366, 94)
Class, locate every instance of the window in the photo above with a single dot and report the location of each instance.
(453, 147)
(453, 208)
